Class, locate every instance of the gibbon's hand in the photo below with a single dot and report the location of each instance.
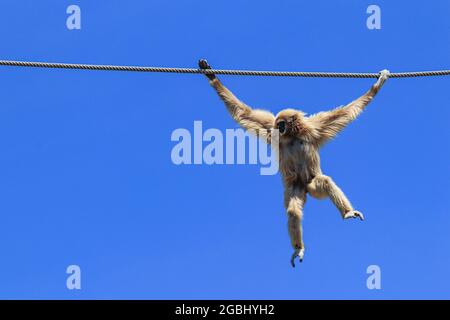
(203, 64)
(297, 253)
(384, 75)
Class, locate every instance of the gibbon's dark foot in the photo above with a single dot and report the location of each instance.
(297, 253)
(354, 214)
(204, 65)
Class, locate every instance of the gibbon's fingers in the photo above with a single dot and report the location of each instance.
(204, 65)
(384, 72)
(384, 75)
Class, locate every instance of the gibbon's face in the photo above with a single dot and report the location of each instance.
(288, 122)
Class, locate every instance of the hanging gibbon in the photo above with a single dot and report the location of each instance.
(300, 138)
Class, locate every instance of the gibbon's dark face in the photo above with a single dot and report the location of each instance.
(281, 126)
(288, 122)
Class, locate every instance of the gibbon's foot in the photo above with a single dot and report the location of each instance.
(203, 64)
(353, 214)
(297, 253)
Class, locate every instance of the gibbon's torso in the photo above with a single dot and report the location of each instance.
(299, 161)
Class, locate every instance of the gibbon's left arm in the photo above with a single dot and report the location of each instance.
(259, 122)
(327, 124)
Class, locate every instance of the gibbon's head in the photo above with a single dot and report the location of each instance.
(289, 122)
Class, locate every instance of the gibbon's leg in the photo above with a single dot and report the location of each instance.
(323, 186)
(294, 199)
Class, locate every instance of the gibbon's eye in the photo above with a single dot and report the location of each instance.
(281, 126)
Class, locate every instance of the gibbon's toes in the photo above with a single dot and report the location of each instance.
(293, 260)
(204, 65)
(354, 214)
(297, 253)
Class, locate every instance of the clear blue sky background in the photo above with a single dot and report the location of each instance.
(86, 176)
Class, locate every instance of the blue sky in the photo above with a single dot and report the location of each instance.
(86, 176)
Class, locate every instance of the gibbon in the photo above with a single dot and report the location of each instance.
(300, 138)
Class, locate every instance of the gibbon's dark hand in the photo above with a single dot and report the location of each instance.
(203, 64)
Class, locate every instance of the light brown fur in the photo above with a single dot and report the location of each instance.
(299, 151)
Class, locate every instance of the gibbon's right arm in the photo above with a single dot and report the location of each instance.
(259, 122)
